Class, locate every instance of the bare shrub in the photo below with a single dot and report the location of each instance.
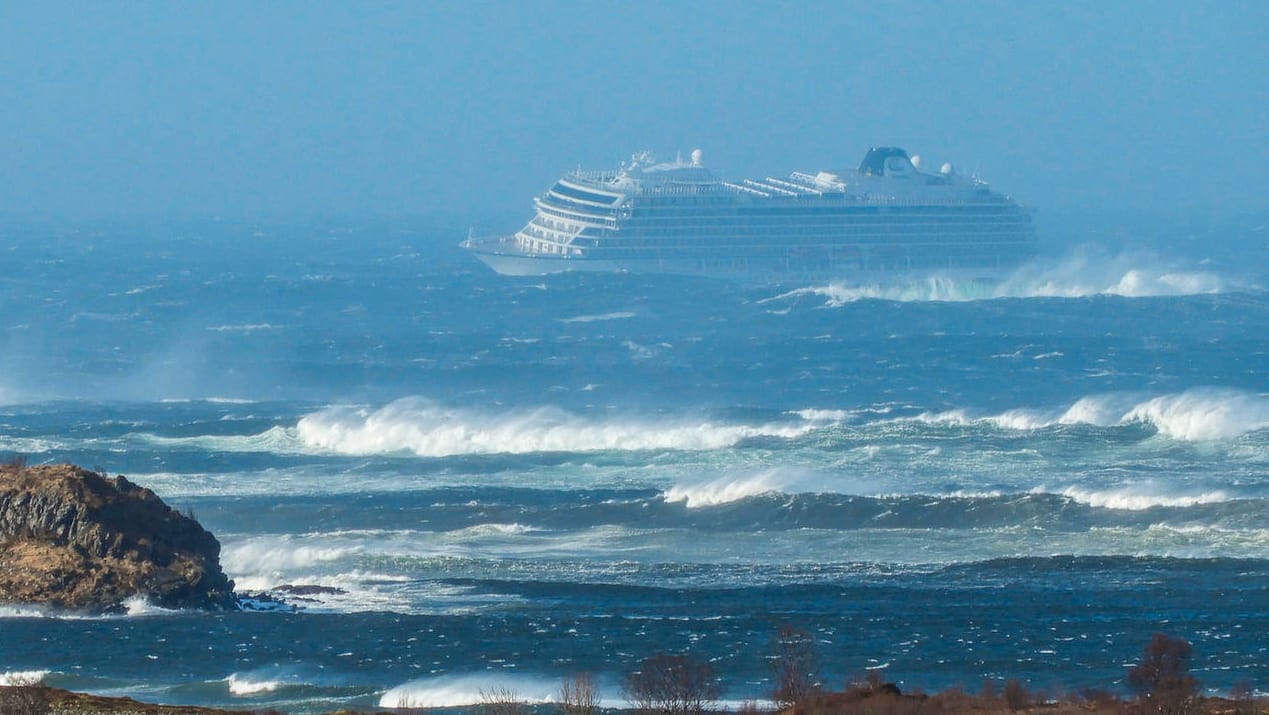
(579, 695)
(1016, 695)
(1244, 697)
(672, 685)
(501, 700)
(24, 700)
(1162, 680)
(794, 662)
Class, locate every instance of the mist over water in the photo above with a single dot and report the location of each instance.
(500, 482)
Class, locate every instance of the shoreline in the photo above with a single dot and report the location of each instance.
(858, 699)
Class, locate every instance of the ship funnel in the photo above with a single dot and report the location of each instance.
(697, 156)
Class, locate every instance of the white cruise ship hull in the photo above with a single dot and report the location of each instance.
(510, 263)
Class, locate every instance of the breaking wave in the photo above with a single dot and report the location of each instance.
(619, 315)
(463, 691)
(242, 685)
(726, 490)
(1134, 499)
(1197, 414)
(431, 430)
(13, 678)
(1086, 272)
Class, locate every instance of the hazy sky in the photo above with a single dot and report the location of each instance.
(398, 109)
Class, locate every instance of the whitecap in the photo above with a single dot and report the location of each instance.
(1138, 498)
(1204, 414)
(246, 684)
(616, 315)
(427, 429)
(468, 690)
(18, 678)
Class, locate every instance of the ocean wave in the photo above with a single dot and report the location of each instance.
(141, 606)
(1087, 271)
(1204, 414)
(720, 491)
(30, 445)
(277, 440)
(247, 684)
(244, 328)
(17, 678)
(1136, 498)
(1197, 414)
(283, 554)
(427, 429)
(617, 315)
(467, 690)
(726, 490)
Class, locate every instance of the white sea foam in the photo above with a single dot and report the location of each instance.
(721, 491)
(29, 445)
(427, 429)
(245, 328)
(1197, 414)
(466, 690)
(617, 315)
(15, 678)
(1023, 419)
(1088, 271)
(812, 414)
(724, 490)
(1101, 410)
(278, 440)
(141, 606)
(248, 684)
(22, 611)
(285, 554)
(1136, 498)
(1204, 414)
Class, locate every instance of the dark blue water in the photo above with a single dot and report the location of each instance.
(502, 482)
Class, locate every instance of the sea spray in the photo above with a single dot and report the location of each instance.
(428, 429)
(1087, 271)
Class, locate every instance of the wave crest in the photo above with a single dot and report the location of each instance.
(1197, 414)
(429, 430)
(1203, 414)
(19, 678)
(1088, 271)
(1136, 499)
(464, 691)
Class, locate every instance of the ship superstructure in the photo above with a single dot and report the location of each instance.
(885, 219)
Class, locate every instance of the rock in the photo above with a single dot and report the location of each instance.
(77, 540)
(309, 590)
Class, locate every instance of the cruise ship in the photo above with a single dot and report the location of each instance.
(882, 222)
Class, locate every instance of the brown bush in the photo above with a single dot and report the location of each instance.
(794, 662)
(579, 695)
(1016, 695)
(672, 685)
(24, 700)
(501, 700)
(1162, 680)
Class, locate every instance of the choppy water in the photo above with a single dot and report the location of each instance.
(514, 480)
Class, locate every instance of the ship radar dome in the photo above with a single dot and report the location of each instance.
(947, 169)
(697, 155)
(916, 161)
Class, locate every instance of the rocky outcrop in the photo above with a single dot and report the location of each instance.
(77, 540)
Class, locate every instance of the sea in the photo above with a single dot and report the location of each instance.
(465, 483)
